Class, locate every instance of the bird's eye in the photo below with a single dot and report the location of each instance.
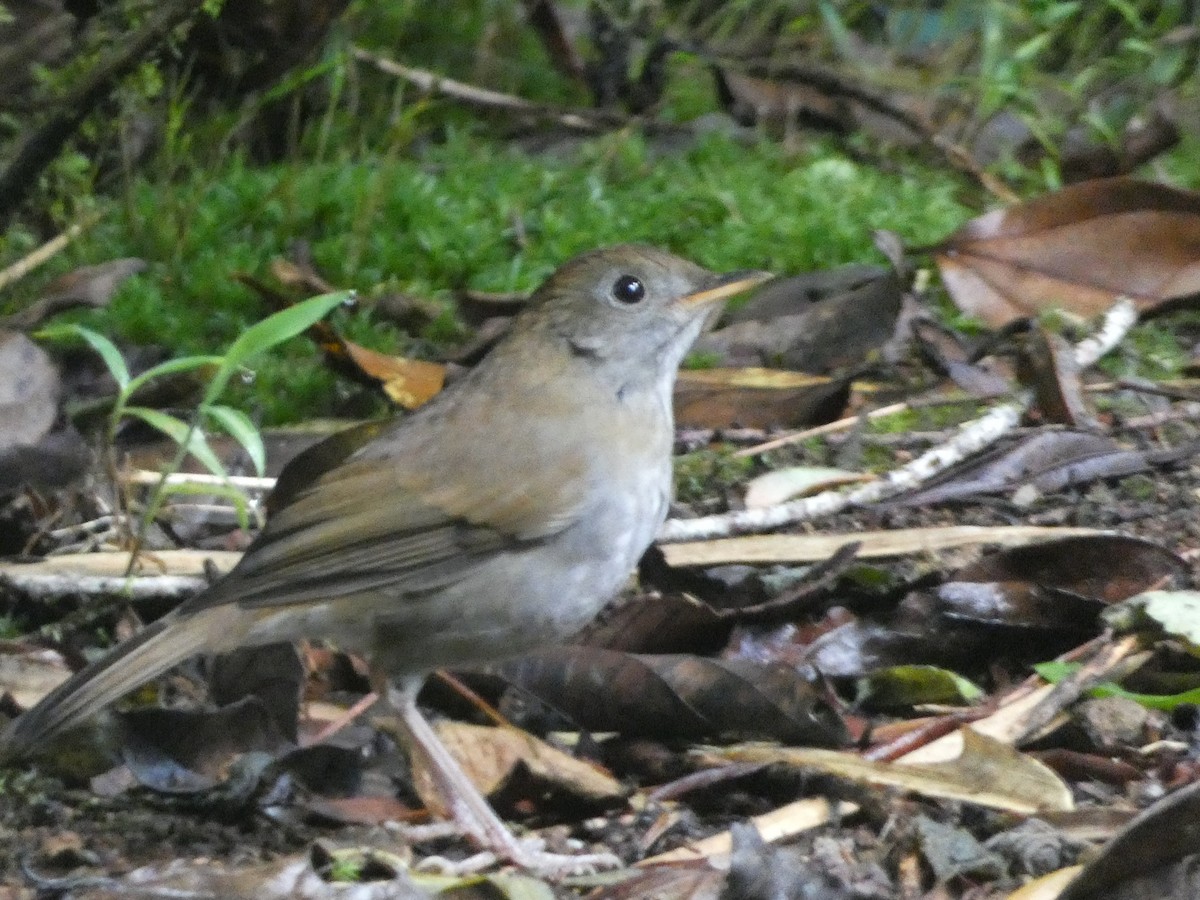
(628, 289)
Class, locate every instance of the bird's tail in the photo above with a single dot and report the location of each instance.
(146, 655)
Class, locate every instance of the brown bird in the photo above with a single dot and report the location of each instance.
(498, 518)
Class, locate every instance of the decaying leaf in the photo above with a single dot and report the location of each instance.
(677, 695)
(492, 757)
(1154, 856)
(28, 673)
(1109, 567)
(1047, 364)
(1173, 613)
(757, 398)
(691, 880)
(906, 686)
(819, 322)
(1078, 248)
(408, 382)
(87, 286)
(782, 485)
(988, 773)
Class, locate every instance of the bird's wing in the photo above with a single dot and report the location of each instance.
(389, 523)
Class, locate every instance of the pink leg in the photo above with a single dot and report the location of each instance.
(469, 809)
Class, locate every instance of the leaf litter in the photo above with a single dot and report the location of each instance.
(787, 670)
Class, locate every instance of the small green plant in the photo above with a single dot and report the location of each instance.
(190, 437)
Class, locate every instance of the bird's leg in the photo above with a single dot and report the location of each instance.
(465, 804)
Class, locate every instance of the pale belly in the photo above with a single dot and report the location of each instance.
(511, 603)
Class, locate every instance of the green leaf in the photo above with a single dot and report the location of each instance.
(242, 430)
(192, 439)
(172, 366)
(107, 350)
(1054, 672)
(898, 686)
(273, 330)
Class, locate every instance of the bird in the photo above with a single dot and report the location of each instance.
(498, 518)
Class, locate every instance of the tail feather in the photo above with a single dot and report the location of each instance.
(146, 655)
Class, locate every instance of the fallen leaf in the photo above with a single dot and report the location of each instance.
(677, 695)
(1172, 613)
(491, 757)
(757, 398)
(818, 322)
(1161, 837)
(87, 286)
(782, 485)
(988, 773)
(897, 686)
(408, 382)
(1078, 248)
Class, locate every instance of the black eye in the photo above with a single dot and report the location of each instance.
(628, 289)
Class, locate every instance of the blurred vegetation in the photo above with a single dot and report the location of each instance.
(396, 191)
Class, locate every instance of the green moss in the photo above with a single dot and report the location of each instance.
(445, 220)
(703, 473)
(925, 418)
(1139, 487)
(1151, 350)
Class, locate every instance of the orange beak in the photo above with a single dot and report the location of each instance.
(724, 286)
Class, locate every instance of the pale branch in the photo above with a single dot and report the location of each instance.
(578, 119)
(968, 440)
(45, 252)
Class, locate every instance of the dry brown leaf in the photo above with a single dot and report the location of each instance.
(988, 772)
(29, 673)
(1078, 248)
(756, 398)
(408, 382)
(87, 286)
(491, 756)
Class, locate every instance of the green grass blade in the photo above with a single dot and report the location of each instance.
(191, 439)
(273, 330)
(238, 425)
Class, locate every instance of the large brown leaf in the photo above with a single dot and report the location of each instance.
(677, 695)
(1079, 248)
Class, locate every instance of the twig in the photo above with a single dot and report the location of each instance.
(47, 251)
(45, 587)
(828, 428)
(1074, 685)
(830, 82)
(969, 439)
(244, 482)
(577, 119)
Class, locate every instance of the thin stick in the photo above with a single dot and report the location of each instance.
(969, 439)
(579, 119)
(245, 482)
(828, 428)
(47, 251)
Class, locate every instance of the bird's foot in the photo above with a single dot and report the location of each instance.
(529, 855)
